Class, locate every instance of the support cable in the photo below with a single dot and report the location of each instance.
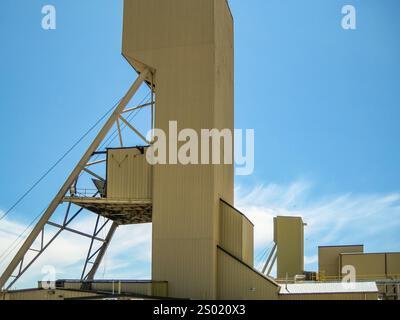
(131, 116)
(106, 143)
(56, 164)
(16, 243)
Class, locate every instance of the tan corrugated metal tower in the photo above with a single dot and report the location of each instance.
(289, 239)
(203, 247)
(189, 45)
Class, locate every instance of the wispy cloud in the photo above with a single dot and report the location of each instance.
(370, 219)
(127, 257)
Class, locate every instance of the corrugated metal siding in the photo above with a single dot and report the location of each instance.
(129, 176)
(393, 265)
(75, 294)
(231, 230)
(290, 246)
(188, 268)
(224, 93)
(39, 294)
(180, 45)
(185, 207)
(236, 234)
(147, 288)
(72, 285)
(368, 266)
(328, 260)
(248, 242)
(136, 288)
(160, 289)
(236, 281)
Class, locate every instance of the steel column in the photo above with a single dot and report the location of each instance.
(100, 255)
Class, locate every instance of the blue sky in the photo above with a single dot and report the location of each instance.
(324, 103)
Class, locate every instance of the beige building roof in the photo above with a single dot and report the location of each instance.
(328, 287)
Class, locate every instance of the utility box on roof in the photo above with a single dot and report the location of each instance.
(129, 175)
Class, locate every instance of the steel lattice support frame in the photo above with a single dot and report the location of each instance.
(272, 256)
(100, 254)
(17, 262)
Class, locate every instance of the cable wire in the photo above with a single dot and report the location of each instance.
(56, 164)
(16, 243)
(131, 116)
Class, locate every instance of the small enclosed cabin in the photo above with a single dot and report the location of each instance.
(128, 188)
(129, 175)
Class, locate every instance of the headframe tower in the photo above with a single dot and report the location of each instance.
(190, 45)
(201, 245)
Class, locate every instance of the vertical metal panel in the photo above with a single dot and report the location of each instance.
(328, 260)
(231, 230)
(368, 266)
(147, 288)
(236, 281)
(160, 289)
(224, 93)
(65, 294)
(248, 242)
(179, 42)
(393, 265)
(38, 294)
(140, 288)
(129, 176)
(290, 246)
(236, 234)
(72, 285)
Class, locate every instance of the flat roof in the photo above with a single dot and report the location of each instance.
(366, 253)
(107, 281)
(290, 217)
(328, 287)
(343, 246)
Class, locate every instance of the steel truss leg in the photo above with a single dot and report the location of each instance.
(101, 253)
(269, 259)
(18, 259)
(272, 265)
(43, 246)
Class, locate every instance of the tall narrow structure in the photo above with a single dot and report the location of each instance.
(289, 240)
(189, 45)
(202, 246)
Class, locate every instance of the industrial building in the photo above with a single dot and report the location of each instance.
(381, 268)
(202, 246)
